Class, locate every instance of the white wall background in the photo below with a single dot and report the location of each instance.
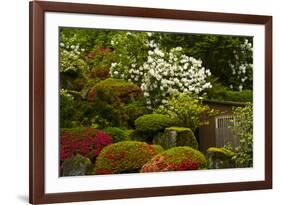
(14, 100)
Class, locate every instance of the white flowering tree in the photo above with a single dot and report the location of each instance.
(241, 66)
(164, 73)
(70, 58)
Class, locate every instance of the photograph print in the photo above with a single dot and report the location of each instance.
(142, 102)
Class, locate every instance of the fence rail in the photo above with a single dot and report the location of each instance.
(223, 131)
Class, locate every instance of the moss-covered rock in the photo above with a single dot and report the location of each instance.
(76, 166)
(176, 159)
(124, 157)
(220, 157)
(153, 123)
(176, 136)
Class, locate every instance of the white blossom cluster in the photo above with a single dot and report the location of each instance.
(241, 69)
(166, 73)
(70, 58)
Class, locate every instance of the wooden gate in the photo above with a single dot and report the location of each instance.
(224, 134)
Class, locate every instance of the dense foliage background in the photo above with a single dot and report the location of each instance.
(219, 68)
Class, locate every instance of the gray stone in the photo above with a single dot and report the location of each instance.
(176, 136)
(76, 166)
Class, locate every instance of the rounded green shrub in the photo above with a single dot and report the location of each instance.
(116, 134)
(108, 98)
(124, 157)
(158, 148)
(124, 90)
(153, 122)
(176, 159)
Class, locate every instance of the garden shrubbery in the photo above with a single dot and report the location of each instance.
(133, 101)
(124, 157)
(222, 93)
(134, 110)
(116, 134)
(186, 111)
(176, 159)
(108, 98)
(85, 141)
(153, 122)
(124, 90)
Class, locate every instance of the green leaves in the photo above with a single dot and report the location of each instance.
(186, 110)
(243, 127)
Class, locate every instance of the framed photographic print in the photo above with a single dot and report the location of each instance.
(138, 102)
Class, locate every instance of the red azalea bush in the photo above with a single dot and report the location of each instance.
(176, 159)
(124, 157)
(85, 141)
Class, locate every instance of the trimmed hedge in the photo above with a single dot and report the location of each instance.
(158, 148)
(229, 95)
(124, 157)
(108, 98)
(153, 123)
(176, 159)
(124, 90)
(117, 134)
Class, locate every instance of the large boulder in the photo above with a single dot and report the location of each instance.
(76, 166)
(176, 136)
(220, 158)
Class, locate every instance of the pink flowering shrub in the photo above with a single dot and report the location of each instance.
(85, 141)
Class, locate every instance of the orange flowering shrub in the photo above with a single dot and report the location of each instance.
(176, 159)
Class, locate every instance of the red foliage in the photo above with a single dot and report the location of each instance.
(88, 142)
(99, 52)
(161, 164)
(100, 72)
(104, 171)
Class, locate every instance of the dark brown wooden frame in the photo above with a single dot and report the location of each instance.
(36, 150)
